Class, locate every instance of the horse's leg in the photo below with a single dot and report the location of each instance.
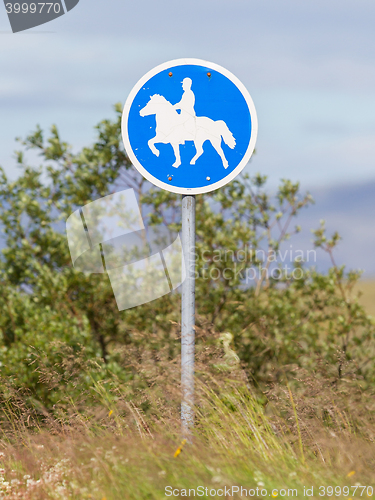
(176, 149)
(151, 143)
(199, 147)
(217, 145)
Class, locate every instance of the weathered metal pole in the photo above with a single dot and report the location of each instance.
(188, 316)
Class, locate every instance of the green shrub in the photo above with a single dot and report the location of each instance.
(57, 324)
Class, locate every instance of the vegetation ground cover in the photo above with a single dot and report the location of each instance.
(89, 396)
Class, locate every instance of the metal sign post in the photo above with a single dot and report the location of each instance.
(189, 127)
(188, 316)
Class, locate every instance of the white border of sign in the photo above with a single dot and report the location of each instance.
(232, 78)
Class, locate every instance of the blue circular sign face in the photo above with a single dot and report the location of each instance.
(189, 126)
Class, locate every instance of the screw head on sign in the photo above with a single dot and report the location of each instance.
(170, 73)
(208, 178)
(169, 178)
(208, 74)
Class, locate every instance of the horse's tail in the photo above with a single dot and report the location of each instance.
(226, 134)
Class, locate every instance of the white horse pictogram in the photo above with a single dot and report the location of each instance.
(175, 129)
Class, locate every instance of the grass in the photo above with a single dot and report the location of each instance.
(287, 444)
(307, 437)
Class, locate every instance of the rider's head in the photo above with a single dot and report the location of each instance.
(186, 83)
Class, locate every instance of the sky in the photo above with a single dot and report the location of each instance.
(309, 67)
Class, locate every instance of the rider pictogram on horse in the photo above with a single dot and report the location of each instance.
(178, 123)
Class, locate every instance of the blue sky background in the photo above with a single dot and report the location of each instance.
(309, 67)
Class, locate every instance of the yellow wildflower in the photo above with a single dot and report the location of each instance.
(179, 449)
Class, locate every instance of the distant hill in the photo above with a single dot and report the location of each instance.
(350, 210)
